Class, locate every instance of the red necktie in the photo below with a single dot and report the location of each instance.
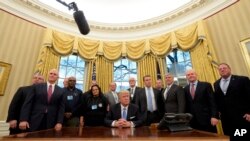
(49, 92)
(192, 91)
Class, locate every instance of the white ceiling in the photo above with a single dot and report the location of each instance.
(118, 19)
(120, 11)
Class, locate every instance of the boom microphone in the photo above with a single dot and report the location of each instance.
(81, 22)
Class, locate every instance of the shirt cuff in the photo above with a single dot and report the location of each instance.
(113, 123)
(132, 125)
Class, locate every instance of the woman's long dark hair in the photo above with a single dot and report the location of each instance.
(99, 88)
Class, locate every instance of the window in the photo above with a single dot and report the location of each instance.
(177, 63)
(72, 65)
(123, 70)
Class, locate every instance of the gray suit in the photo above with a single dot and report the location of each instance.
(175, 100)
(111, 99)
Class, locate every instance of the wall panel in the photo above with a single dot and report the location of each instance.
(227, 28)
(20, 41)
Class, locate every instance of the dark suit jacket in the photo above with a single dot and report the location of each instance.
(17, 103)
(175, 102)
(133, 114)
(136, 92)
(36, 103)
(141, 101)
(203, 106)
(235, 103)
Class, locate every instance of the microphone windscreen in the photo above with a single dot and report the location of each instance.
(81, 22)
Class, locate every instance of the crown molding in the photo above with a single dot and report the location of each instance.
(42, 14)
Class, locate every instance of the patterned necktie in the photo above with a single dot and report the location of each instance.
(124, 113)
(192, 91)
(149, 101)
(132, 92)
(224, 86)
(49, 92)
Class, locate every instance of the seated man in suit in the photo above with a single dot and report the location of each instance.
(123, 114)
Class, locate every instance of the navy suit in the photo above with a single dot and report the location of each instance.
(202, 107)
(133, 114)
(141, 101)
(234, 104)
(16, 105)
(36, 107)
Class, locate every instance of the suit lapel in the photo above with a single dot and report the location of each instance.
(128, 112)
(118, 111)
(231, 84)
(198, 88)
(45, 91)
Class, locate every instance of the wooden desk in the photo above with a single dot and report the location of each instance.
(105, 133)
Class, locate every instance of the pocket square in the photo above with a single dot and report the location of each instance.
(132, 117)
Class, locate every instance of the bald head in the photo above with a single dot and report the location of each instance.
(191, 75)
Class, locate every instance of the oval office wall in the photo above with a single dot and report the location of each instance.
(21, 40)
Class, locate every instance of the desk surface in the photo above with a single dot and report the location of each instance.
(105, 133)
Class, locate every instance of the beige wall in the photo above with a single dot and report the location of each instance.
(227, 28)
(20, 42)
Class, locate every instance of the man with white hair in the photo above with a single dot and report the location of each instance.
(200, 103)
(124, 114)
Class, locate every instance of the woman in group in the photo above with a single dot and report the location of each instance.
(94, 107)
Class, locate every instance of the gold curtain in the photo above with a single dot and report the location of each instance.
(88, 74)
(160, 46)
(162, 66)
(46, 61)
(147, 66)
(135, 49)
(62, 43)
(112, 50)
(88, 48)
(104, 73)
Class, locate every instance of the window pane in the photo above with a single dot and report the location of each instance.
(80, 62)
(72, 65)
(180, 56)
(123, 70)
(178, 64)
(64, 61)
(62, 71)
(72, 60)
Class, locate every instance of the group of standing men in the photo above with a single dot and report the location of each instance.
(45, 104)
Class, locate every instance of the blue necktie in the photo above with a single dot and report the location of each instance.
(149, 101)
(124, 113)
